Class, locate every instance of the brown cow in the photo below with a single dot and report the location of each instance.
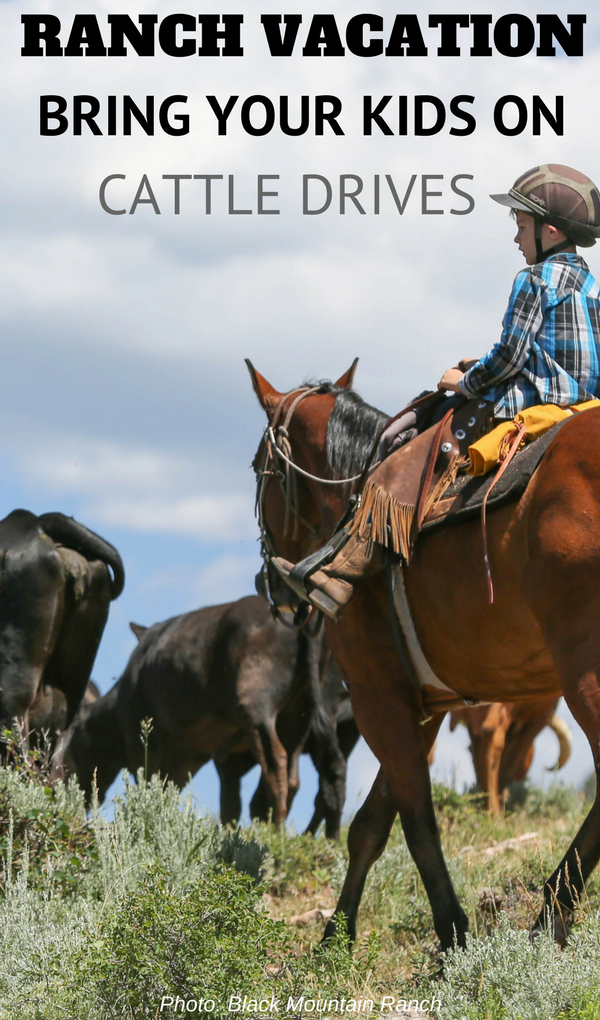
(502, 736)
(221, 681)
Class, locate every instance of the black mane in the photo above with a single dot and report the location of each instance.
(352, 429)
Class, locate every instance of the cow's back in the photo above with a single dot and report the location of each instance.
(202, 676)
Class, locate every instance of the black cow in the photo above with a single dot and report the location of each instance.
(329, 747)
(226, 683)
(48, 713)
(325, 757)
(55, 591)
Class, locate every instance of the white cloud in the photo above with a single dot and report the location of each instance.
(93, 466)
(226, 578)
(138, 488)
(209, 518)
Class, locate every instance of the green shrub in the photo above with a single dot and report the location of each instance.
(209, 939)
(102, 918)
(512, 977)
(47, 825)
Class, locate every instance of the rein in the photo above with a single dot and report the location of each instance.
(306, 474)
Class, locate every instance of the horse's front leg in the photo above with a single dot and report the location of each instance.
(387, 712)
(405, 764)
(367, 838)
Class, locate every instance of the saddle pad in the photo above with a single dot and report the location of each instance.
(463, 498)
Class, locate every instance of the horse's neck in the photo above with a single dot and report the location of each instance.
(331, 500)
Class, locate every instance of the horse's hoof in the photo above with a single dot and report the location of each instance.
(561, 929)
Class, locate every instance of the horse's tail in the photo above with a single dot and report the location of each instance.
(70, 533)
(565, 742)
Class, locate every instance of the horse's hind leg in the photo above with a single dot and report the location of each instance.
(561, 584)
(572, 628)
(368, 835)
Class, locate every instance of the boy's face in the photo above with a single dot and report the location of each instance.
(525, 237)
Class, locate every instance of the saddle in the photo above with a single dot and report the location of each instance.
(423, 486)
(463, 499)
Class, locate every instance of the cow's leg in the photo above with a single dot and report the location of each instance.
(367, 838)
(273, 760)
(330, 764)
(231, 770)
(259, 805)
(293, 780)
(31, 611)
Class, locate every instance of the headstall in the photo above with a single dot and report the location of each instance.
(279, 464)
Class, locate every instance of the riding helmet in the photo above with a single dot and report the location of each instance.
(561, 196)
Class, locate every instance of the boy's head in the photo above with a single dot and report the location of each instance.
(551, 238)
(557, 197)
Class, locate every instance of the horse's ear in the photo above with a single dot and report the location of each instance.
(346, 381)
(138, 630)
(268, 396)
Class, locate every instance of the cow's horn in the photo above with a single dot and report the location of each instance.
(565, 741)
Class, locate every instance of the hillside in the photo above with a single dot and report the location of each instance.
(102, 919)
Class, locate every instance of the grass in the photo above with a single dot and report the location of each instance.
(103, 919)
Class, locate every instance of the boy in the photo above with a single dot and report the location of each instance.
(549, 351)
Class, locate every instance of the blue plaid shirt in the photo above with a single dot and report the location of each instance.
(549, 352)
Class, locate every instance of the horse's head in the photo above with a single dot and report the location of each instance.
(310, 458)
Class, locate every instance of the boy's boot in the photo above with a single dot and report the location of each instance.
(329, 586)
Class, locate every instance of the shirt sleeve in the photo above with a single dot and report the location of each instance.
(520, 326)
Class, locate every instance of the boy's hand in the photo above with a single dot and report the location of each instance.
(450, 380)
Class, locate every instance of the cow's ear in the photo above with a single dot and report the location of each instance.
(268, 396)
(346, 381)
(138, 630)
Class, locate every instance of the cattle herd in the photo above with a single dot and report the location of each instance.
(225, 683)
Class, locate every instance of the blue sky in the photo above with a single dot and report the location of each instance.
(125, 400)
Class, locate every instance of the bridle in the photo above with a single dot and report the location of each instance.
(279, 464)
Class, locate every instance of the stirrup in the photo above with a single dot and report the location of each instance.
(300, 573)
(317, 598)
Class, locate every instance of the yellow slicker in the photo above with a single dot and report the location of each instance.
(486, 452)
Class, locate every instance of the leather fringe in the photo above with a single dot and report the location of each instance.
(447, 479)
(378, 509)
(385, 520)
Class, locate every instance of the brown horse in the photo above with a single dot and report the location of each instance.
(502, 736)
(541, 635)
